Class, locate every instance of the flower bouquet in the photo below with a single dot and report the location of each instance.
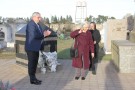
(6, 86)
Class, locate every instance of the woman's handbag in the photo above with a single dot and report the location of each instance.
(74, 51)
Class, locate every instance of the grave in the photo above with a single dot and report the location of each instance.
(123, 53)
(114, 30)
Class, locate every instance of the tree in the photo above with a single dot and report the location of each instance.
(54, 19)
(46, 20)
(61, 18)
(89, 19)
(94, 20)
(68, 19)
(10, 20)
(1, 19)
(112, 17)
(100, 19)
(86, 19)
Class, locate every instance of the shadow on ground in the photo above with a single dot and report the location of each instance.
(59, 80)
(112, 78)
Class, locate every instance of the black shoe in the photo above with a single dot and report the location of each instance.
(76, 78)
(83, 78)
(35, 82)
(39, 80)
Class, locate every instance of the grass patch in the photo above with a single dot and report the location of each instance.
(107, 57)
(102, 55)
(63, 48)
(7, 55)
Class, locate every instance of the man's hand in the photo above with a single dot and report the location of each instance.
(47, 33)
(92, 54)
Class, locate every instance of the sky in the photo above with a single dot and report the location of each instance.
(48, 8)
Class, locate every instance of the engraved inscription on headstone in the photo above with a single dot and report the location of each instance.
(114, 30)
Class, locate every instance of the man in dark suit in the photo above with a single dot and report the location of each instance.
(96, 38)
(34, 37)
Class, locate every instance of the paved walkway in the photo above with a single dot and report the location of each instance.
(106, 78)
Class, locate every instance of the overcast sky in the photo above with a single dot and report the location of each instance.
(48, 8)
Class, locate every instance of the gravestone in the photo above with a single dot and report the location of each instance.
(123, 55)
(132, 34)
(114, 30)
(117, 29)
(123, 52)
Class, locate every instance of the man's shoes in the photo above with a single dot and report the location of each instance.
(39, 80)
(36, 82)
(76, 78)
(83, 78)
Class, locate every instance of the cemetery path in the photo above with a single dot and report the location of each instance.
(107, 78)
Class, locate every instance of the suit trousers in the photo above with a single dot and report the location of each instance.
(32, 63)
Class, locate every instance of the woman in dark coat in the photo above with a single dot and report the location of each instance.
(96, 38)
(84, 43)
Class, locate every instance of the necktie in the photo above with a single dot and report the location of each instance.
(39, 29)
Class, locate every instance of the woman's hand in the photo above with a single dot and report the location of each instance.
(92, 54)
(94, 42)
(80, 31)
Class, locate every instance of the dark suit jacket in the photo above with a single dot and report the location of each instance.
(33, 37)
